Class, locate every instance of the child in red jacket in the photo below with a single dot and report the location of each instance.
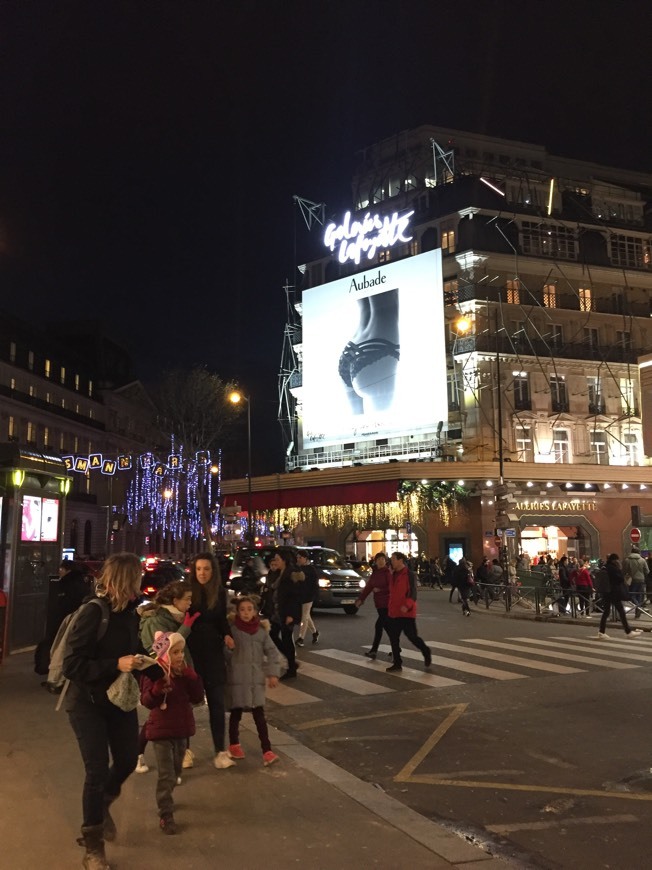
(171, 720)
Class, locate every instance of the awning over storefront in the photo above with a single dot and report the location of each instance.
(380, 491)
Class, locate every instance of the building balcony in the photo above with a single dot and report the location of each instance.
(524, 347)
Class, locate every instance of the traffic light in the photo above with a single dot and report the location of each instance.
(636, 516)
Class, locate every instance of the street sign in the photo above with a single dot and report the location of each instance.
(510, 533)
(498, 541)
(408, 527)
(635, 535)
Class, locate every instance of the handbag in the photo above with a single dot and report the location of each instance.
(124, 692)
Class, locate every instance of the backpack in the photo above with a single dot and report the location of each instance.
(56, 680)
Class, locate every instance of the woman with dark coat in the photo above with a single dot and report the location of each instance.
(103, 643)
(378, 583)
(210, 633)
(288, 601)
(618, 593)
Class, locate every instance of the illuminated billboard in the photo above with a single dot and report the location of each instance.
(374, 354)
(40, 519)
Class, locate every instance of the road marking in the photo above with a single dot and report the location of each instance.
(321, 723)
(286, 696)
(511, 660)
(570, 657)
(631, 652)
(422, 677)
(557, 823)
(435, 779)
(341, 681)
(459, 665)
(407, 773)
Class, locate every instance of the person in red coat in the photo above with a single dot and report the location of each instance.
(402, 610)
(171, 721)
(378, 583)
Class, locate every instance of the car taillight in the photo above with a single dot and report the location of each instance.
(149, 590)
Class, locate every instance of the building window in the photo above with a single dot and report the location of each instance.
(627, 251)
(31, 432)
(560, 445)
(624, 339)
(91, 413)
(453, 393)
(524, 449)
(591, 337)
(594, 393)
(384, 256)
(46, 436)
(76, 407)
(628, 397)
(75, 447)
(77, 382)
(521, 391)
(451, 295)
(513, 292)
(12, 351)
(556, 335)
(558, 394)
(47, 368)
(90, 388)
(447, 238)
(550, 295)
(12, 383)
(32, 390)
(47, 398)
(586, 299)
(630, 442)
(11, 428)
(599, 449)
(62, 441)
(548, 240)
(30, 360)
(63, 402)
(63, 375)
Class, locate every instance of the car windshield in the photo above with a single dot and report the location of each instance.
(327, 558)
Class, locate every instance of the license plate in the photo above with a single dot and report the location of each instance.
(347, 601)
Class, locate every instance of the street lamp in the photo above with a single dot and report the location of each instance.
(236, 397)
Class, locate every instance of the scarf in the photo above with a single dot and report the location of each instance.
(174, 613)
(248, 627)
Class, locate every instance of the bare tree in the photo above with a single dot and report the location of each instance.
(194, 409)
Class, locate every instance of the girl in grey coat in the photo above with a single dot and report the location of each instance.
(253, 660)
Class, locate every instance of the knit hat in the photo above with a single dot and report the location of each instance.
(163, 643)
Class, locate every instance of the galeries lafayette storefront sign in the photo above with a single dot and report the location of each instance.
(353, 238)
(574, 505)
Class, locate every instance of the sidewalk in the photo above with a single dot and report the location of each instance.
(303, 810)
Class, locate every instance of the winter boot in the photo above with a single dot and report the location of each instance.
(110, 831)
(93, 840)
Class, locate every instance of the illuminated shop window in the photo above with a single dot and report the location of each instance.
(586, 299)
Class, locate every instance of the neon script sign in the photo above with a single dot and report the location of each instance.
(358, 237)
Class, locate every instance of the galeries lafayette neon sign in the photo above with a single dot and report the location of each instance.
(365, 236)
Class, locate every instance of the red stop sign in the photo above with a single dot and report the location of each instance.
(635, 535)
(498, 541)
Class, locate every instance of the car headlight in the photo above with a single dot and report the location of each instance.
(324, 583)
(362, 584)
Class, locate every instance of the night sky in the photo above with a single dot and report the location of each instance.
(149, 151)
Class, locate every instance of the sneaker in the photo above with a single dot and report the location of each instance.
(236, 751)
(167, 823)
(467, 613)
(428, 658)
(270, 757)
(222, 761)
(634, 632)
(602, 635)
(179, 780)
(315, 636)
(141, 767)
(289, 675)
(188, 759)
(370, 654)
(299, 641)
(394, 669)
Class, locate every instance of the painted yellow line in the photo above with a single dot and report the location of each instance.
(322, 723)
(558, 823)
(426, 779)
(405, 774)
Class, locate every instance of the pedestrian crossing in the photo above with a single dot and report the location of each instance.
(467, 661)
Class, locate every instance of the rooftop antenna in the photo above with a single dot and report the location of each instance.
(445, 157)
(312, 212)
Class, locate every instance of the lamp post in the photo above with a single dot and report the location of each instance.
(236, 397)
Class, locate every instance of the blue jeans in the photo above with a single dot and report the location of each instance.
(100, 728)
(637, 593)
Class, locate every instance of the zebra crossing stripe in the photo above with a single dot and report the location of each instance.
(627, 651)
(341, 681)
(501, 657)
(288, 696)
(554, 654)
(422, 677)
(459, 665)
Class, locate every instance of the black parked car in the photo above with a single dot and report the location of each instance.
(163, 573)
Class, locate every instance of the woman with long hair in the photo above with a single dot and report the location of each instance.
(287, 605)
(210, 633)
(168, 612)
(91, 663)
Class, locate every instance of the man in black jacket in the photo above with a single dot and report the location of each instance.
(310, 593)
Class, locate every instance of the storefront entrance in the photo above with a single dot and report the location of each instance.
(568, 536)
(363, 545)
